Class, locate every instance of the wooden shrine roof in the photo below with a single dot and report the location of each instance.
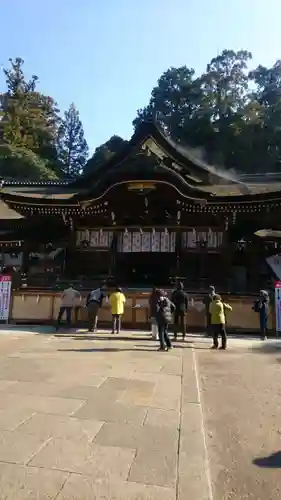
(150, 156)
(235, 189)
(8, 213)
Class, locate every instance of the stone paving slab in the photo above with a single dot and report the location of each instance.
(117, 384)
(144, 437)
(58, 406)
(160, 398)
(84, 392)
(55, 426)
(19, 448)
(163, 418)
(78, 456)
(111, 411)
(13, 416)
(157, 467)
(29, 483)
(60, 389)
(85, 488)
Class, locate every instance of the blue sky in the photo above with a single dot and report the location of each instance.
(106, 55)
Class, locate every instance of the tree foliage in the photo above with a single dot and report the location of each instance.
(229, 112)
(29, 118)
(17, 162)
(104, 152)
(71, 144)
(30, 126)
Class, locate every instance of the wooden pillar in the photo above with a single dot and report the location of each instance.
(70, 245)
(178, 243)
(113, 250)
(178, 250)
(25, 257)
(226, 254)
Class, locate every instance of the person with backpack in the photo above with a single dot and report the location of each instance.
(217, 310)
(180, 300)
(94, 303)
(164, 311)
(261, 306)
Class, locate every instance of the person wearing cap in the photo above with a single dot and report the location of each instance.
(217, 311)
(207, 301)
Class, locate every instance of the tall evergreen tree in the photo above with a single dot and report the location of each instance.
(29, 118)
(28, 126)
(71, 144)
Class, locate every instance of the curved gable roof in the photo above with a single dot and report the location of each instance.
(151, 138)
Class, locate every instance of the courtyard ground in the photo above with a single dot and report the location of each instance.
(85, 417)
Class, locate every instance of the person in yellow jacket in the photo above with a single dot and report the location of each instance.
(217, 309)
(117, 301)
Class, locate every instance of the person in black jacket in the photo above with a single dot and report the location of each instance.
(180, 300)
(207, 301)
(164, 309)
(261, 306)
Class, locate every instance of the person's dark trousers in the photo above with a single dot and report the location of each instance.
(163, 335)
(179, 324)
(209, 329)
(93, 309)
(116, 323)
(219, 330)
(67, 311)
(76, 314)
(263, 325)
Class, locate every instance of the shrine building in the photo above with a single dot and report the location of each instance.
(151, 214)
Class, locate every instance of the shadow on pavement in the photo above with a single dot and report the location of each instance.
(272, 347)
(272, 461)
(74, 336)
(106, 349)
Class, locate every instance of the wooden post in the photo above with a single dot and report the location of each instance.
(113, 248)
(25, 257)
(226, 253)
(178, 249)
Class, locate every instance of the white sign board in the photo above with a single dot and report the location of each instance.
(275, 263)
(5, 297)
(277, 288)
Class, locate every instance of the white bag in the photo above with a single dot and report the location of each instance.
(154, 329)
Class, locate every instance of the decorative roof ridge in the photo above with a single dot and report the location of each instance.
(150, 129)
(186, 152)
(18, 182)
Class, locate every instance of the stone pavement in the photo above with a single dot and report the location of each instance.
(100, 417)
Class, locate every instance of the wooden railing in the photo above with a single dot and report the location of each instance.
(42, 306)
